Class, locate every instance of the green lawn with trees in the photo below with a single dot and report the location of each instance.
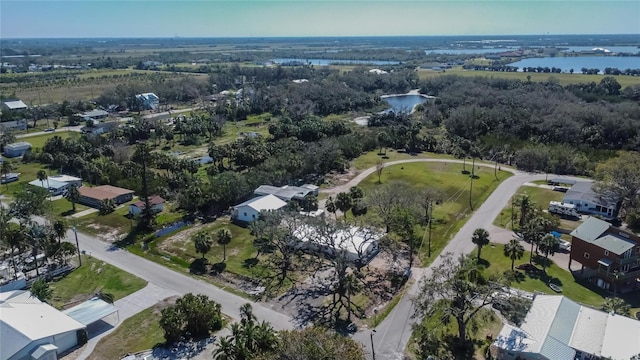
(539, 196)
(92, 277)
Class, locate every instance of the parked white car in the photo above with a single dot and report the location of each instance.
(565, 245)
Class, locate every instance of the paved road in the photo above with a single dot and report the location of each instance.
(392, 335)
(174, 281)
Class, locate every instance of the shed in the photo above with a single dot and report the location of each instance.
(17, 149)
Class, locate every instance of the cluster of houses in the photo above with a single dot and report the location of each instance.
(359, 245)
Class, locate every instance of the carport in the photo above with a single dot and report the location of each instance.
(91, 311)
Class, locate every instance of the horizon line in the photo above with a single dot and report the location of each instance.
(311, 36)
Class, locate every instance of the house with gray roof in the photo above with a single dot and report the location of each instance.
(587, 201)
(287, 192)
(610, 257)
(557, 328)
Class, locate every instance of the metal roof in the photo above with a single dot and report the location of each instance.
(615, 244)
(582, 190)
(590, 229)
(267, 202)
(26, 319)
(18, 146)
(556, 326)
(15, 105)
(91, 311)
(49, 183)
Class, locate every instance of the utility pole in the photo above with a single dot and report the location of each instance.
(373, 350)
(430, 216)
(471, 183)
(75, 231)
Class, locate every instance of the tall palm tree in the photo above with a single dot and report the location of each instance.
(42, 176)
(59, 230)
(548, 245)
(532, 233)
(37, 236)
(11, 236)
(7, 166)
(526, 206)
(513, 250)
(224, 237)
(246, 314)
(480, 238)
(203, 242)
(73, 196)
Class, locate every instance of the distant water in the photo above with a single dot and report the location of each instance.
(615, 49)
(325, 62)
(579, 62)
(471, 51)
(404, 103)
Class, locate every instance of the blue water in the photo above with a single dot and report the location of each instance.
(578, 62)
(404, 103)
(615, 49)
(325, 62)
(471, 51)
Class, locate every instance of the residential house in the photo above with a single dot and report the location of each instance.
(93, 196)
(610, 257)
(156, 203)
(287, 192)
(587, 201)
(33, 330)
(14, 105)
(557, 328)
(94, 115)
(16, 149)
(99, 128)
(57, 184)
(249, 210)
(9, 178)
(358, 245)
(148, 101)
(14, 125)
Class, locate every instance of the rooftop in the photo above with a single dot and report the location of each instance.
(49, 183)
(15, 105)
(18, 145)
(153, 200)
(267, 202)
(583, 190)
(286, 192)
(555, 326)
(600, 233)
(103, 192)
(64, 178)
(25, 319)
(95, 113)
(591, 229)
(353, 240)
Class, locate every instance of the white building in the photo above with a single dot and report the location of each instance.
(557, 328)
(357, 244)
(57, 184)
(17, 149)
(156, 203)
(250, 210)
(14, 105)
(587, 201)
(33, 330)
(287, 192)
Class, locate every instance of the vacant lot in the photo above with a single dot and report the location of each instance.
(94, 276)
(450, 215)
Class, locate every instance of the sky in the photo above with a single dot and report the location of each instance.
(267, 18)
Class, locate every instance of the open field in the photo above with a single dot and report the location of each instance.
(140, 332)
(63, 207)
(37, 141)
(563, 78)
(371, 158)
(93, 276)
(449, 216)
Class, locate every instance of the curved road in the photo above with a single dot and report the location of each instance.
(392, 334)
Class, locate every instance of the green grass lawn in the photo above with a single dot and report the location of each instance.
(540, 196)
(371, 158)
(582, 293)
(63, 207)
(115, 223)
(38, 141)
(93, 276)
(446, 177)
(563, 79)
(140, 332)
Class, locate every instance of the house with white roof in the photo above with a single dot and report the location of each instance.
(148, 101)
(287, 192)
(249, 210)
(57, 184)
(33, 330)
(358, 245)
(14, 105)
(557, 328)
(587, 201)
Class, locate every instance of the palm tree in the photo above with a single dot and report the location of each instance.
(224, 237)
(7, 167)
(73, 196)
(40, 289)
(266, 337)
(42, 176)
(480, 238)
(548, 245)
(225, 349)
(11, 236)
(616, 305)
(59, 230)
(513, 250)
(203, 242)
(330, 205)
(526, 206)
(37, 236)
(246, 314)
(531, 232)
